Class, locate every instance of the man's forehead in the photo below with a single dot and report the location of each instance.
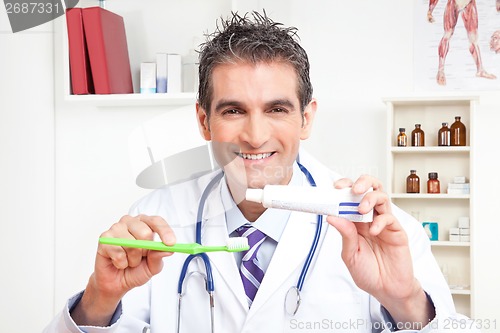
(223, 74)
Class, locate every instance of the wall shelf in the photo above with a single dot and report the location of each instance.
(435, 149)
(414, 196)
(448, 243)
(173, 99)
(460, 291)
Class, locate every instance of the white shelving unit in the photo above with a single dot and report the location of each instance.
(455, 258)
(150, 28)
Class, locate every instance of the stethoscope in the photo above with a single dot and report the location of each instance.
(292, 298)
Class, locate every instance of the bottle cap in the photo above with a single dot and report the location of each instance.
(401, 129)
(254, 195)
(433, 175)
(444, 124)
(457, 117)
(413, 170)
(417, 125)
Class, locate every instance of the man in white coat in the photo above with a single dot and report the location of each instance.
(255, 104)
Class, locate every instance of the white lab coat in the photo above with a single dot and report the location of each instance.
(330, 299)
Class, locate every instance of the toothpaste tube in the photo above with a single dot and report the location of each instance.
(317, 200)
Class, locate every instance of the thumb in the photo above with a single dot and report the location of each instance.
(349, 234)
(155, 261)
(161, 227)
(346, 228)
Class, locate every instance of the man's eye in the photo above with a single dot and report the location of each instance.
(278, 110)
(232, 111)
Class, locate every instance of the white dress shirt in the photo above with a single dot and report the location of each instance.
(272, 222)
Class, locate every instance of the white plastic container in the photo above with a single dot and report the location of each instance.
(317, 200)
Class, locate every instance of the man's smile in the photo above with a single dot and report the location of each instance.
(255, 156)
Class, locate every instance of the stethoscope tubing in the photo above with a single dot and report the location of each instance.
(317, 235)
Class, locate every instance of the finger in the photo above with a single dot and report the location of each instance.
(365, 182)
(116, 254)
(132, 228)
(342, 183)
(388, 229)
(380, 222)
(376, 200)
(161, 227)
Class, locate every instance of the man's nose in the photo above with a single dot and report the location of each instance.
(256, 131)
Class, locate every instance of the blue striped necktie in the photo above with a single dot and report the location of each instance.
(250, 270)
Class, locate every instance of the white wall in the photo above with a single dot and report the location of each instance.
(27, 177)
(360, 51)
(487, 246)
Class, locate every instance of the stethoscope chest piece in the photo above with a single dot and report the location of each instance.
(292, 301)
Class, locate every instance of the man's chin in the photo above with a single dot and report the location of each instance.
(260, 183)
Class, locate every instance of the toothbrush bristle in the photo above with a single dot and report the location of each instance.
(237, 244)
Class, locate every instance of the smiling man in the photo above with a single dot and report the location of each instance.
(255, 104)
(266, 126)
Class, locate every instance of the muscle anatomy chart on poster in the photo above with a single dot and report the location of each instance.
(457, 45)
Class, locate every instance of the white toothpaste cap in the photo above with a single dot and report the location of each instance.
(254, 195)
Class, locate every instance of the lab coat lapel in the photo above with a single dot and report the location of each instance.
(290, 254)
(215, 233)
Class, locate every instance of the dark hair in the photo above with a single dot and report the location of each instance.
(252, 39)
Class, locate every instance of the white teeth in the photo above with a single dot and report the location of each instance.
(254, 156)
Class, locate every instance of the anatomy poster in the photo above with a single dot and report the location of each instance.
(457, 45)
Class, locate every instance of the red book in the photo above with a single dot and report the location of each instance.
(108, 51)
(81, 75)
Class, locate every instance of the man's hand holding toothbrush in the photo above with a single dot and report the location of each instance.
(120, 269)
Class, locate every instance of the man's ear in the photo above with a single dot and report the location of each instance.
(309, 113)
(203, 125)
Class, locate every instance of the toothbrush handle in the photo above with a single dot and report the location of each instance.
(144, 244)
(188, 248)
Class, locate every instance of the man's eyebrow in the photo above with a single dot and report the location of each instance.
(227, 103)
(232, 103)
(281, 102)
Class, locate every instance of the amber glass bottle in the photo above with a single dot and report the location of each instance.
(444, 135)
(458, 132)
(433, 183)
(417, 136)
(402, 138)
(413, 182)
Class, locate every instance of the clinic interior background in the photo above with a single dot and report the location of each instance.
(66, 171)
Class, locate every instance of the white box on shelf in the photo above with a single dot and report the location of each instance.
(459, 179)
(161, 72)
(464, 222)
(190, 72)
(454, 234)
(458, 191)
(464, 231)
(174, 73)
(464, 238)
(458, 186)
(148, 78)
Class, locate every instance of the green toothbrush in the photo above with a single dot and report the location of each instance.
(234, 244)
